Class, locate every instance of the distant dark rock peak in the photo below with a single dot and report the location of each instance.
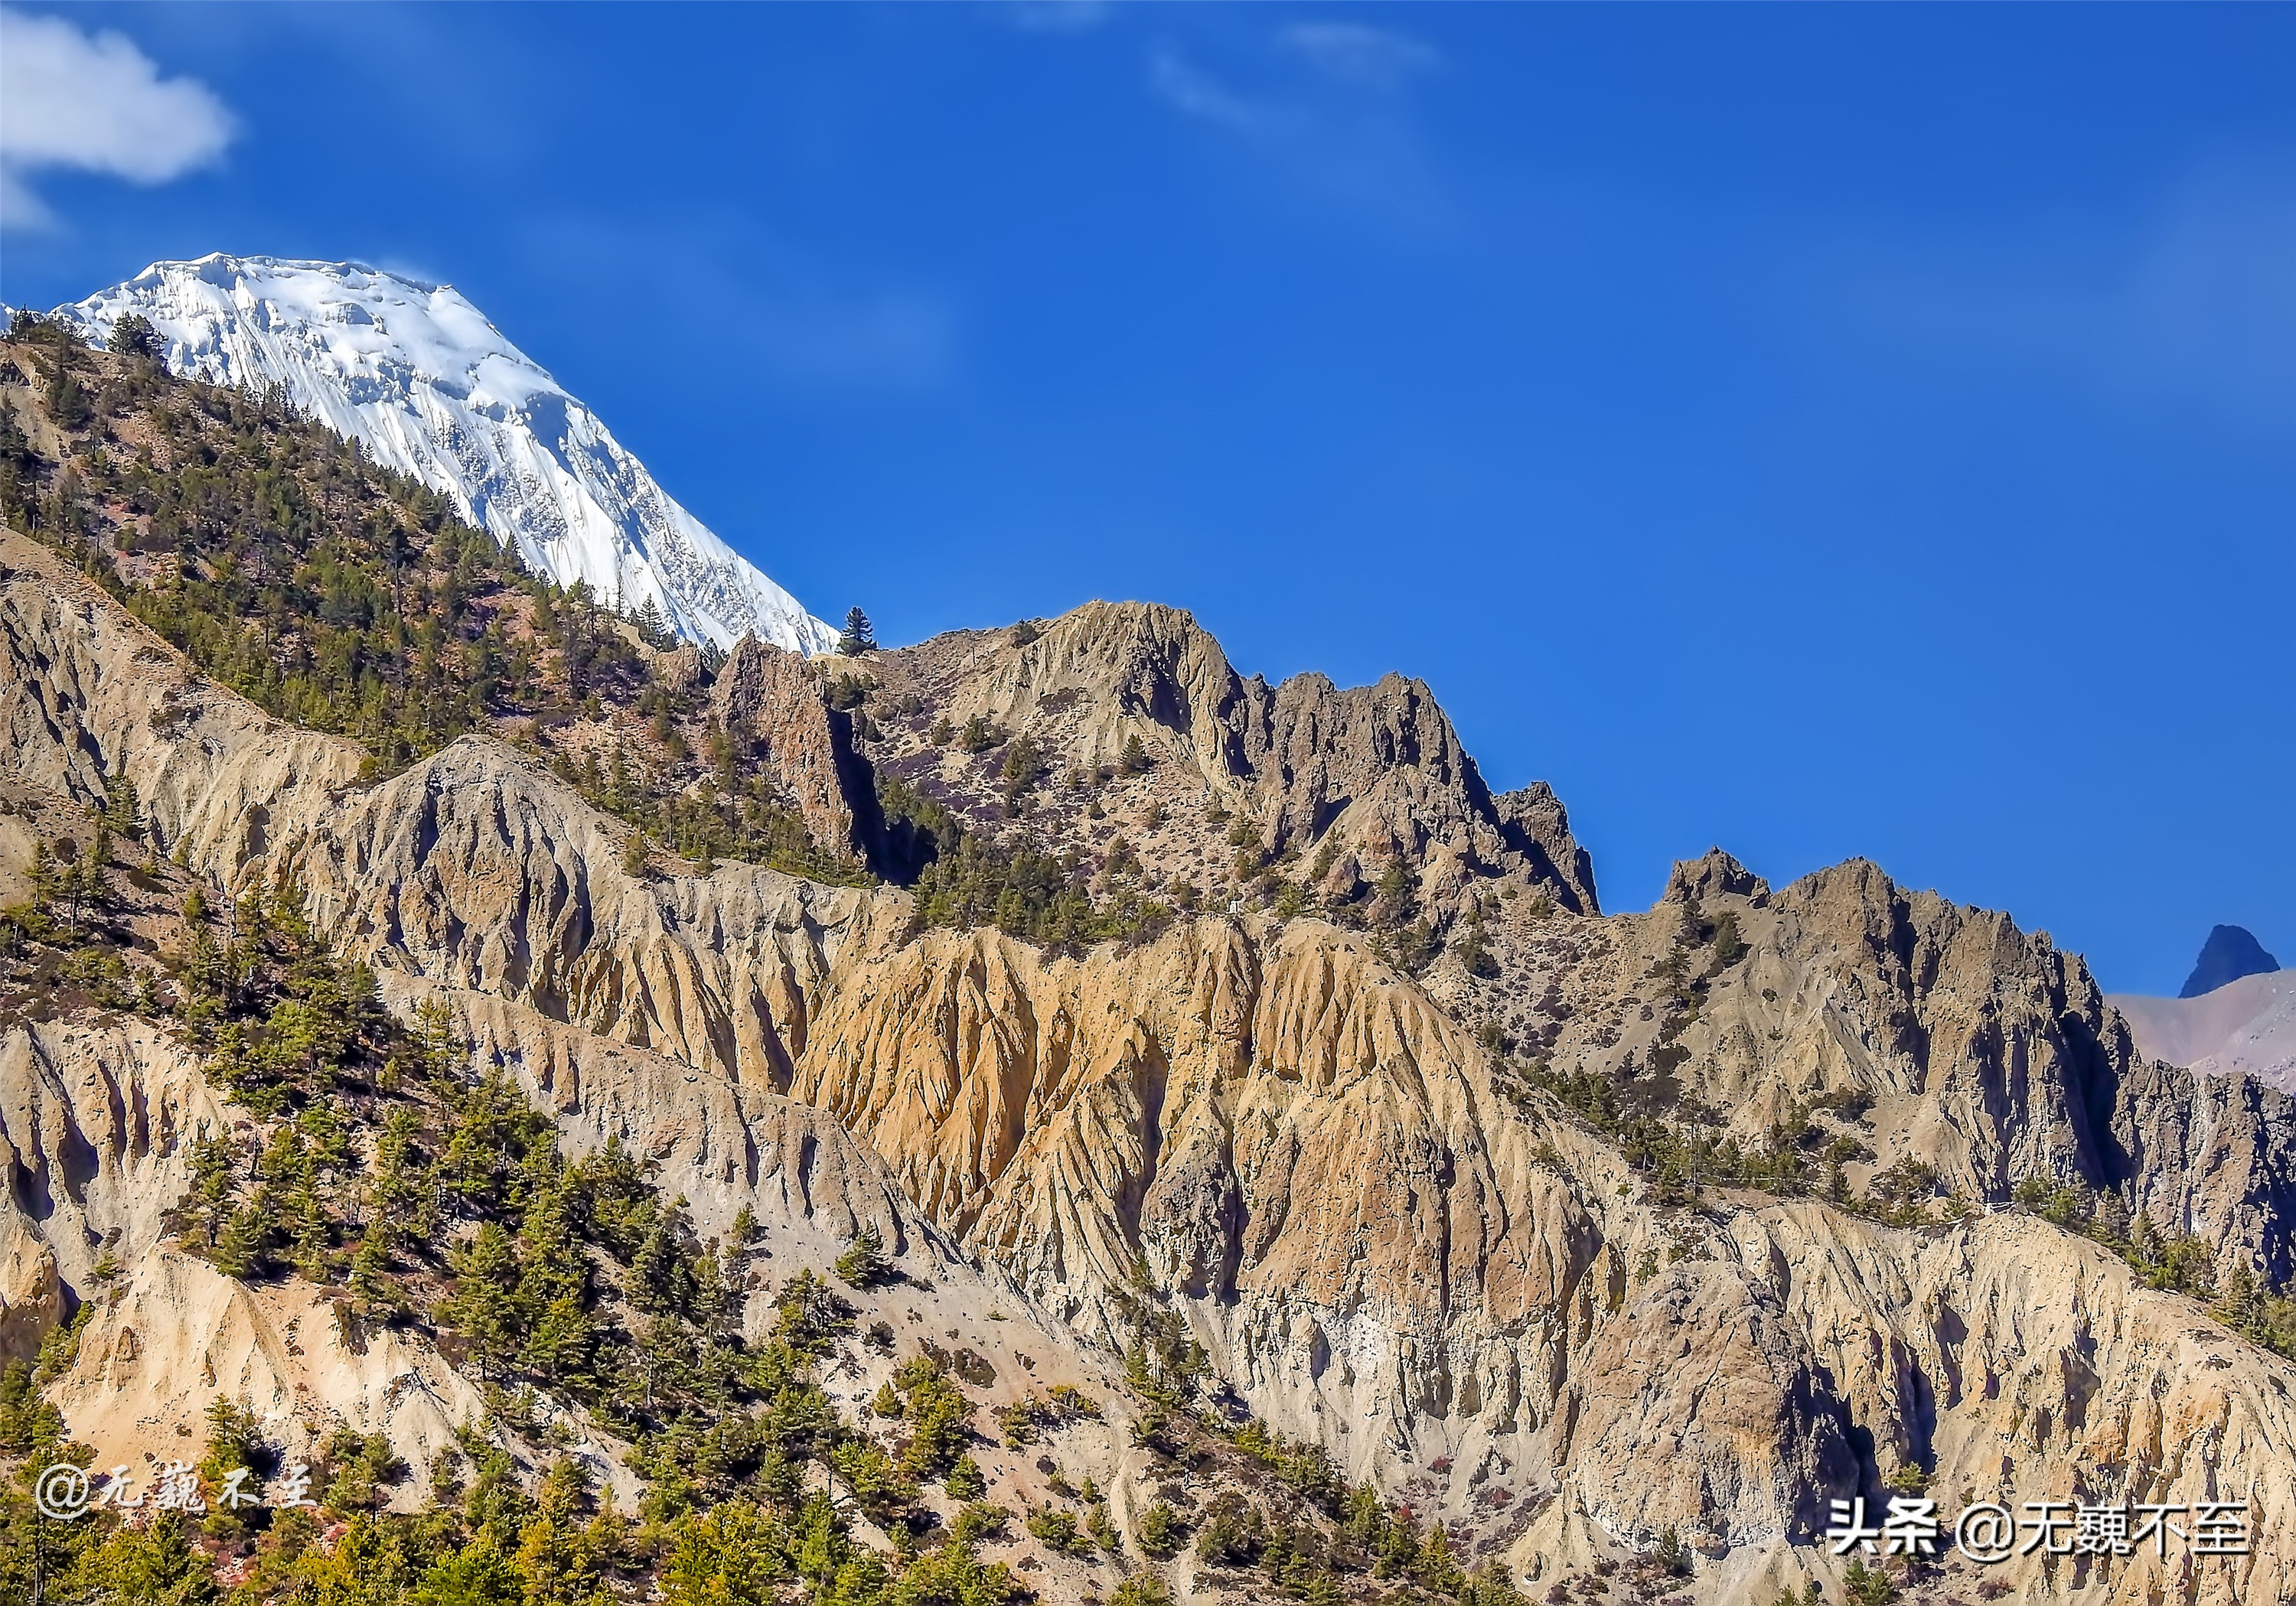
(2229, 953)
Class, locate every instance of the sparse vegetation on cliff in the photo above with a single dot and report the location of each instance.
(377, 1162)
(345, 598)
(964, 878)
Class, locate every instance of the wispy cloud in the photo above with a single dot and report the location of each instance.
(1371, 58)
(1342, 131)
(92, 103)
(1190, 89)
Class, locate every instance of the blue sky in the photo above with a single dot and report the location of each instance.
(1817, 430)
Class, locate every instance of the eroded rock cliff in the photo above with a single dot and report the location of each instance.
(1361, 776)
(1329, 1171)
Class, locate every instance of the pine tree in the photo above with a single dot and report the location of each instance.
(654, 1284)
(434, 1032)
(965, 1479)
(858, 636)
(562, 1342)
(1474, 950)
(482, 1307)
(1136, 757)
(311, 1247)
(211, 1163)
(134, 336)
(1395, 893)
(1024, 766)
(122, 810)
(84, 889)
(234, 1437)
(1437, 1568)
(864, 1262)
(68, 402)
(369, 1274)
(240, 1249)
(1159, 1531)
(474, 1574)
(654, 628)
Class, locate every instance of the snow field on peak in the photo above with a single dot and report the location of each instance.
(418, 375)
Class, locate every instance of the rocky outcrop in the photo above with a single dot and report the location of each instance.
(1715, 875)
(2211, 1155)
(1373, 772)
(1305, 1160)
(1381, 767)
(1536, 820)
(769, 701)
(1909, 1024)
(1118, 670)
(31, 1296)
(176, 1335)
(1702, 1360)
(731, 1146)
(2013, 1362)
(95, 1124)
(1383, 753)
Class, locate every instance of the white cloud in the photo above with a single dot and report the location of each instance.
(96, 103)
(1372, 58)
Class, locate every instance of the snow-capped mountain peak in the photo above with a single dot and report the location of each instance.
(420, 377)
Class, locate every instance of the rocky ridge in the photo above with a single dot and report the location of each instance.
(1226, 776)
(1316, 1160)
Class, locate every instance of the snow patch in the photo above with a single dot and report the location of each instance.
(416, 374)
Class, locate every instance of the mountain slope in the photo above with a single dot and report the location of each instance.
(1264, 1137)
(1569, 1236)
(2244, 1028)
(417, 375)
